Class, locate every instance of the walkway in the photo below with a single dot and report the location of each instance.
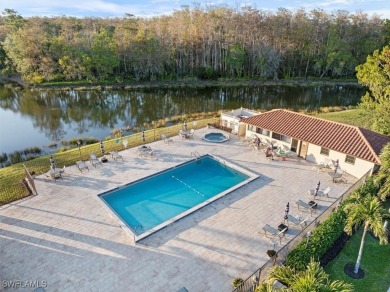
(65, 237)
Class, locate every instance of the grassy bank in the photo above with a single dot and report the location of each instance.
(186, 83)
(375, 263)
(353, 117)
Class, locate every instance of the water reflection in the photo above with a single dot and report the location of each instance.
(55, 115)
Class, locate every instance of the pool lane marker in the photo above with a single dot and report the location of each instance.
(187, 186)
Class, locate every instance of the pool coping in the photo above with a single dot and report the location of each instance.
(251, 176)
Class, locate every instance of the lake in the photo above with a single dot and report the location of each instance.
(36, 118)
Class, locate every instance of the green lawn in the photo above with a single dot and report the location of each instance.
(375, 263)
(354, 117)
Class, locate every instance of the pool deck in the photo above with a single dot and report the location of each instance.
(66, 237)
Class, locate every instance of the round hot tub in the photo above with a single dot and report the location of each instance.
(216, 137)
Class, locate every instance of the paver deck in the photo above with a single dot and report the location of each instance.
(64, 236)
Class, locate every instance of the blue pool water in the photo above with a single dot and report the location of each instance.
(149, 202)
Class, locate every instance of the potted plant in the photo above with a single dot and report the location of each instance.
(271, 253)
(237, 282)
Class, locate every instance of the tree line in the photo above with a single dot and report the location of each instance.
(206, 43)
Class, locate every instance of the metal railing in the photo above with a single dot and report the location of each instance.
(12, 186)
(261, 273)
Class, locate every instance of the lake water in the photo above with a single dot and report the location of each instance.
(30, 118)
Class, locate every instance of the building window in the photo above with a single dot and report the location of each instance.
(262, 131)
(281, 137)
(350, 159)
(251, 128)
(324, 151)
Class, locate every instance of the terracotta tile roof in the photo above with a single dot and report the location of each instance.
(344, 138)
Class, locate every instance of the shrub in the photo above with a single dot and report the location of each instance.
(321, 241)
(207, 73)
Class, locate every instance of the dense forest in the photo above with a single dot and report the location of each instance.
(211, 43)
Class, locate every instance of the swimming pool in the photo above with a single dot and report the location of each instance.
(216, 137)
(154, 202)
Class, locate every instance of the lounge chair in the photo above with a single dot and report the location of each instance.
(93, 159)
(296, 221)
(81, 165)
(166, 139)
(320, 193)
(323, 193)
(273, 232)
(322, 165)
(115, 155)
(307, 206)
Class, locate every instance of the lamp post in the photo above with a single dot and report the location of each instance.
(79, 145)
(121, 133)
(308, 238)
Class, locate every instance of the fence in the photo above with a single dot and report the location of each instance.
(12, 182)
(260, 275)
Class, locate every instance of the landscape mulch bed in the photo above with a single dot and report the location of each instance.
(337, 246)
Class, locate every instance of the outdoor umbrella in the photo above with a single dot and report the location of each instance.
(102, 147)
(336, 166)
(143, 136)
(317, 188)
(287, 210)
(52, 162)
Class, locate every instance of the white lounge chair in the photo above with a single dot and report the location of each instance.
(81, 165)
(115, 155)
(323, 193)
(93, 159)
(307, 206)
(320, 193)
(296, 221)
(273, 232)
(322, 165)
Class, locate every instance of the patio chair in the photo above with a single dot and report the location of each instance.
(146, 151)
(62, 171)
(145, 154)
(273, 232)
(307, 206)
(166, 139)
(115, 155)
(182, 134)
(191, 134)
(296, 221)
(81, 165)
(93, 159)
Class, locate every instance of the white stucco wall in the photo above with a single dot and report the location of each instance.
(230, 122)
(358, 169)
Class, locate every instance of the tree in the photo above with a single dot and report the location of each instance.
(366, 211)
(313, 278)
(375, 74)
(382, 178)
